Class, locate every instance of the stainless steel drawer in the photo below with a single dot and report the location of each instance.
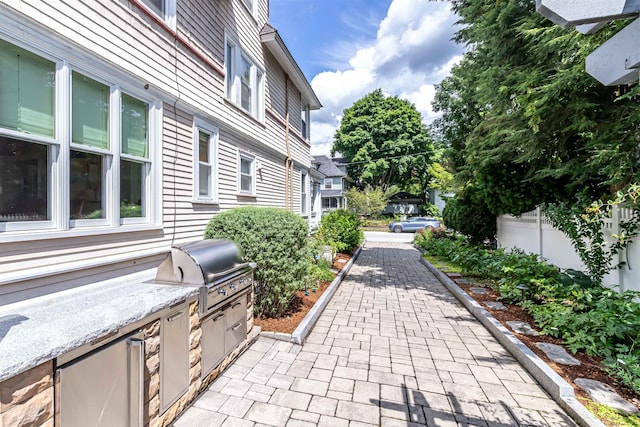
(234, 335)
(237, 310)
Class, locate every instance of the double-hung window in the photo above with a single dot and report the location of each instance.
(303, 192)
(246, 174)
(304, 120)
(74, 151)
(245, 81)
(205, 163)
(165, 9)
(250, 5)
(27, 137)
(328, 183)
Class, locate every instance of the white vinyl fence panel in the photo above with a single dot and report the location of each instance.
(533, 233)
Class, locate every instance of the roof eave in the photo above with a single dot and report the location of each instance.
(272, 40)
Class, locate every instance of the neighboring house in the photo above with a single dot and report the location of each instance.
(334, 184)
(438, 198)
(126, 125)
(403, 203)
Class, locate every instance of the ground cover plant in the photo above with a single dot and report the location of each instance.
(567, 305)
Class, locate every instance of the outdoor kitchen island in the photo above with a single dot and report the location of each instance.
(61, 353)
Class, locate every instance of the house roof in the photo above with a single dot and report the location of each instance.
(327, 167)
(404, 196)
(315, 173)
(331, 193)
(271, 39)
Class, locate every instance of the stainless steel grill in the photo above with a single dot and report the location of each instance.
(214, 265)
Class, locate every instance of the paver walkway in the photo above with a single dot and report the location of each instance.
(393, 348)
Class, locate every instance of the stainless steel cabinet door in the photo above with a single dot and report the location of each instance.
(102, 389)
(212, 341)
(174, 357)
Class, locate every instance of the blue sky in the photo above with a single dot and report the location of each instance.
(348, 48)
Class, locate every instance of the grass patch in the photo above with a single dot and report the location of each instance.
(610, 416)
(441, 263)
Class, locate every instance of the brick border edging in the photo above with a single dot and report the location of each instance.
(300, 334)
(554, 384)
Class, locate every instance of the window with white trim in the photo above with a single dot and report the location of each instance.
(98, 174)
(244, 81)
(303, 192)
(328, 183)
(250, 5)
(304, 120)
(246, 174)
(165, 9)
(205, 163)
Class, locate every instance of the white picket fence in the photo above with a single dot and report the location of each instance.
(533, 233)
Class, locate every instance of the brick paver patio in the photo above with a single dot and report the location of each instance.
(393, 348)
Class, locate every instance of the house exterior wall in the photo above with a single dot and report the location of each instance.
(183, 74)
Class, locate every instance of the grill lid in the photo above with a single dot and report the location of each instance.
(199, 263)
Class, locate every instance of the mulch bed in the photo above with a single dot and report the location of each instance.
(300, 305)
(591, 367)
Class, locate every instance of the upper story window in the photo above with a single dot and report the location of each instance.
(251, 4)
(90, 175)
(304, 185)
(328, 183)
(245, 81)
(304, 120)
(165, 9)
(205, 168)
(246, 174)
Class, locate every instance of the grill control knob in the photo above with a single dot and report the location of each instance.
(222, 292)
(233, 286)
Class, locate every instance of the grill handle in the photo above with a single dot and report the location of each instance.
(212, 276)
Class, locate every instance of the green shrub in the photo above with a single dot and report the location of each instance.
(469, 215)
(277, 241)
(341, 229)
(320, 272)
(429, 209)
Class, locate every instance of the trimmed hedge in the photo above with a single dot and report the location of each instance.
(277, 241)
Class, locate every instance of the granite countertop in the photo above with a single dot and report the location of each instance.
(40, 329)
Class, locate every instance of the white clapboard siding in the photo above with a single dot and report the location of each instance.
(115, 41)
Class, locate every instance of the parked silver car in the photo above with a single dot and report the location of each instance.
(414, 224)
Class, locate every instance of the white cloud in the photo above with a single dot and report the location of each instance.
(412, 52)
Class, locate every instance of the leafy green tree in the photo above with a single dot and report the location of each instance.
(370, 201)
(523, 122)
(441, 179)
(384, 142)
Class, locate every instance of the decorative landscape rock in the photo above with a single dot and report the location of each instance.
(454, 275)
(522, 328)
(605, 395)
(495, 305)
(479, 291)
(558, 354)
(462, 281)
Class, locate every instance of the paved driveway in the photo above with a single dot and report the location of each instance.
(393, 348)
(387, 236)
